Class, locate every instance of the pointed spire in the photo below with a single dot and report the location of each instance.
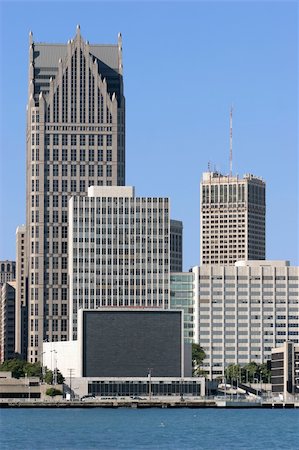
(30, 37)
(78, 30)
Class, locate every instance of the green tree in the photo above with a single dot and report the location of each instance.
(49, 377)
(233, 372)
(198, 355)
(15, 366)
(52, 392)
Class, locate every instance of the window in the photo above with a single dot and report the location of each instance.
(55, 170)
(73, 170)
(55, 185)
(82, 154)
(100, 140)
(109, 155)
(91, 139)
(109, 170)
(64, 170)
(64, 154)
(73, 139)
(91, 154)
(100, 155)
(82, 139)
(82, 171)
(82, 185)
(109, 140)
(100, 171)
(55, 154)
(73, 154)
(64, 139)
(91, 171)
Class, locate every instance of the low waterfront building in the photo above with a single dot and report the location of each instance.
(123, 342)
(285, 370)
(142, 387)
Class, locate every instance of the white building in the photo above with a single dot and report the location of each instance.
(119, 250)
(232, 218)
(241, 312)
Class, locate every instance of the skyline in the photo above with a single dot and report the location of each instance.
(257, 74)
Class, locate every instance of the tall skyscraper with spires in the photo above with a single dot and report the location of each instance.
(232, 218)
(75, 139)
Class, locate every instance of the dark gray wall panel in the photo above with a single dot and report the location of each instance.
(128, 343)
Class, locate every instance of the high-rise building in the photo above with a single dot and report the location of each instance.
(119, 252)
(232, 219)
(21, 319)
(75, 139)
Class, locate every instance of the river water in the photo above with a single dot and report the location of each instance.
(126, 428)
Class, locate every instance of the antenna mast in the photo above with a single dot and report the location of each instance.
(231, 142)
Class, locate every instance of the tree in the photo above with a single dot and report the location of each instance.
(233, 372)
(52, 392)
(198, 355)
(15, 366)
(49, 377)
(20, 368)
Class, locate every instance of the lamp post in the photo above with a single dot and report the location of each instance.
(150, 383)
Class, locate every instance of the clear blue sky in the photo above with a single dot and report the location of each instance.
(184, 64)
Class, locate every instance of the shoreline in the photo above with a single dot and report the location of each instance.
(151, 404)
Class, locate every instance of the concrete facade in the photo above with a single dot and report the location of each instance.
(232, 219)
(75, 139)
(119, 252)
(244, 311)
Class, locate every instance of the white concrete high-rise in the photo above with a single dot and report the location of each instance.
(119, 251)
(232, 219)
(75, 139)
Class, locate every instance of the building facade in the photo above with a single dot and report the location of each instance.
(182, 296)
(244, 311)
(119, 252)
(176, 246)
(75, 139)
(7, 321)
(232, 219)
(285, 370)
(21, 319)
(7, 271)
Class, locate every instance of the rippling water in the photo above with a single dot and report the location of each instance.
(126, 428)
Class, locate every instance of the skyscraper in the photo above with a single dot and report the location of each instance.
(119, 252)
(75, 139)
(232, 218)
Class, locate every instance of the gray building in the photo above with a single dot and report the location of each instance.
(123, 342)
(7, 321)
(182, 297)
(75, 139)
(232, 218)
(119, 252)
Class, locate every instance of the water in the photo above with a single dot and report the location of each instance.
(125, 428)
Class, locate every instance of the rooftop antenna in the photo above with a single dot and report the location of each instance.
(231, 142)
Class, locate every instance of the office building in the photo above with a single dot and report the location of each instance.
(244, 311)
(232, 219)
(7, 271)
(119, 252)
(285, 370)
(75, 139)
(7, 321)
(21, 319)
(176, 246)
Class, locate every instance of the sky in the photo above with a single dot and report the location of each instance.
(185, 64)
